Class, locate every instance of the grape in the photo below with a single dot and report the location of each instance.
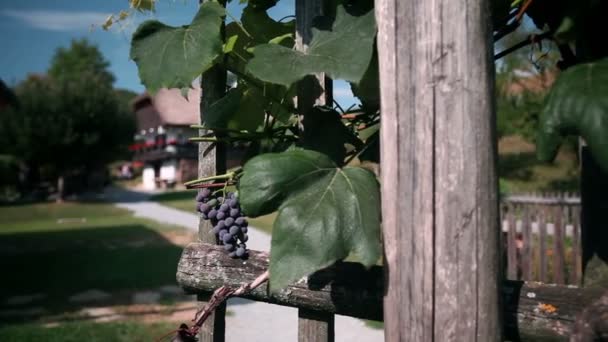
(234, 212)
(203, 194)
(229, 221)
(224, 214)
(203, 208)
(234, 230)
(221, 224)
(227, 238)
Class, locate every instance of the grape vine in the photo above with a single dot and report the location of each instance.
(315, 172)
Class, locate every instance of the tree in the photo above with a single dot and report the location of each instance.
(71, 121)
(81, 57)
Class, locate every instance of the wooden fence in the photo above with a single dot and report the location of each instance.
(542, 238)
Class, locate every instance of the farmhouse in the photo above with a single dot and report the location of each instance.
(161, 142)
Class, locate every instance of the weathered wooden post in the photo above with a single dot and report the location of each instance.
(213, 87)
(313, 326)
(439, 186)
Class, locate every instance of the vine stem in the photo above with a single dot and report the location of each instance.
(222, 294)
(228, 175)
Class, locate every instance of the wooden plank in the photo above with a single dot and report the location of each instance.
(213, 88)
(439, 184)
(315, 326)
(345, 289)
(576, 248)
(349, 289)
(313, 90)
(542, 245)
(526, 252)
(558, 246)
(511, 247)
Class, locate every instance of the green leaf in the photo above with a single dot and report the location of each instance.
(324, 132)
(324, 212)
(577, 104)
(343, 51)
(221, 111)
(172, 57)
(262, 27)
(368, 90)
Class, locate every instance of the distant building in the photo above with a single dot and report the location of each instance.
(161, 142)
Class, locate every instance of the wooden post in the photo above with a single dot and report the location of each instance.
(542, 244)
(314, 90)
(439, 184)
(213, 88)
(594, 232)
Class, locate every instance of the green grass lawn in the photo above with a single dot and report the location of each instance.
(59, 250)
(184, 200)
(521, 171)
(128, 331)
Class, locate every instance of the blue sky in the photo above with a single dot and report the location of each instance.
(31, 30)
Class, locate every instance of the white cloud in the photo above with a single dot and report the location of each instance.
(57, 20)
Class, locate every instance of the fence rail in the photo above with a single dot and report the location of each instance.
(532, 311)
(542, 237)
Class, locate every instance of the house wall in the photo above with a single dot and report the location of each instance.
(148, 177)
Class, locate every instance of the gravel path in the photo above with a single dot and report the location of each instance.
(247, 320)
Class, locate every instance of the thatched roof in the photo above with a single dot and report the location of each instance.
(167, 107)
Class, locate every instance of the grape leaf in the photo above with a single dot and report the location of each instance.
(324, 132)
(368, 89)
(324, 212)
(343, 51)
(577, 104)
(172, 57)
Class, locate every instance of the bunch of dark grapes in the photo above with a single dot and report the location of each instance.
(226, 217)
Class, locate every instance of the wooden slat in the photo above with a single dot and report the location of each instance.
(576, 248)
(349, 289)
(511, 247)
(558, 246)
(526, 253)
(315, 326)
(439, 184)
(313, 90)
(213, 88)
(542, 245)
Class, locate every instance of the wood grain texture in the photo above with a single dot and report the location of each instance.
(313, 90)
(439, 185)
(349, 289)
(211, 161)
(315, 326)
(345, 289)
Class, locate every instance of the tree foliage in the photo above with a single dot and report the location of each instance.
(71, 119)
